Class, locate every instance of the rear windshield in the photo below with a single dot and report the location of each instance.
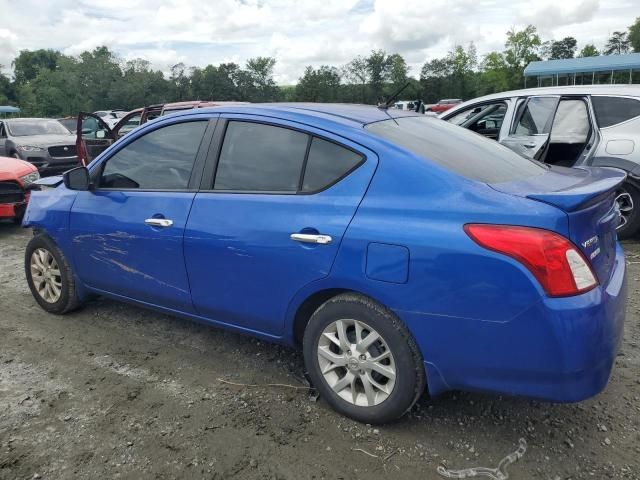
(463, 152)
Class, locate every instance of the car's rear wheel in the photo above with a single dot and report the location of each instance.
(362, 359)
(49, 276)
(628, 199)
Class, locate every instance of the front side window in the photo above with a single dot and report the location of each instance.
(260, 158)
(613, 110)
(535, 116)
(161, 159)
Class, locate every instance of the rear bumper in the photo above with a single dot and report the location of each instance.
(559, 350)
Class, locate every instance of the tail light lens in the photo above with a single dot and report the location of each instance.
(555, 262)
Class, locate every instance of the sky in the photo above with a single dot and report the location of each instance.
(297, 32)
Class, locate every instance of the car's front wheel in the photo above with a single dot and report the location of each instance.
(362, 359)
(49, 276)
(628, 199)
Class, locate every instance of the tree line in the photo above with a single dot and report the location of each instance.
(49, 83)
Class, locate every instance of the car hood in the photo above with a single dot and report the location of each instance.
(45, 140)
(12, 168)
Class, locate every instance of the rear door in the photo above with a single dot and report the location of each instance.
(93, 136)
(271, 219)
(530, 131)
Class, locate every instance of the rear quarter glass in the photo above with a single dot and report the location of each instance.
(456, 149)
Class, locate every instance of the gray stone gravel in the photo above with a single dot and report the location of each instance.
(113, 391)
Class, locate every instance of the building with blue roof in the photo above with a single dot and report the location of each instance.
(584, 71)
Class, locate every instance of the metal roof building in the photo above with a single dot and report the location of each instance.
(586, 70)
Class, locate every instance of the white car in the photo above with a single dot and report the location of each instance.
(110, 117)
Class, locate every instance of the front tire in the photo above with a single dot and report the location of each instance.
(363, 360)
(628, 198)
(49, 276)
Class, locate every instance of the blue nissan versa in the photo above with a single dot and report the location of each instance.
(400, 251)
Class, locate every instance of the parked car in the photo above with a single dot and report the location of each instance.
(398, 250)
(594, 125)
(111, 117)
(15, 176)
(69, 123)
(444, 105)
(94, 135)
(43, 142)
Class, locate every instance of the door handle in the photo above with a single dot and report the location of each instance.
(159, 222)
(529, 145)
(310, 238)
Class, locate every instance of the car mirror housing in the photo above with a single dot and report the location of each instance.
(77, 179)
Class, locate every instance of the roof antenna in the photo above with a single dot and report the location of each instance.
(392, 98)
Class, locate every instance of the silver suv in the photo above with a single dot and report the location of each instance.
(593, 125)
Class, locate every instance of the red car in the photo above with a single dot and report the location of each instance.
(444, 105)
(15, 176)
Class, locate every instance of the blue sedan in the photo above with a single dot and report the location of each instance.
(402, 253)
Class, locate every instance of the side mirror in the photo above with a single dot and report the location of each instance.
(100, 134)
(77, 179)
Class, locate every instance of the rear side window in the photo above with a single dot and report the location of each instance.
(261, 158)
(613, 110)
(535, 117)
(457, 149)
(327, 163)
(161, 159)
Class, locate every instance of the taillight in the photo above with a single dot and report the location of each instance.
(555, 262)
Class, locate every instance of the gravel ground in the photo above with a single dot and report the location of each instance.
(113, 391)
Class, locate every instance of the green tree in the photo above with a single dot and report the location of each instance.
(318, 85)
(565, 48)
(398, 72)
(255, 81)
(617, 44)
(28, 63)
(378, 65)
(521, 48)
(634, 35)
(356, 72)
(494, 76)
(589, 50)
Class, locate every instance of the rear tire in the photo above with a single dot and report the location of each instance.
(49, 276)
(369, 381)
(628, 198)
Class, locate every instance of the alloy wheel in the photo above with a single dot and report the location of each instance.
(45, 274)
(356, 362)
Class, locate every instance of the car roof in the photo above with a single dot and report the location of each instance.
(625, 90)
(352, 114)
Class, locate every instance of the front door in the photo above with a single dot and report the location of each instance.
(93, 136)
(529, 133)
(127, 231)
(3, 140)
(272, 220)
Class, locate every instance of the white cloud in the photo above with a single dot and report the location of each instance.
(297, 32)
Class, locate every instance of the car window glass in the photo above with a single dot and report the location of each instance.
(613, 110)
(456, 149)
(571, 123)
(161, 159)
(327, 163)
(534, 118)
(463, 116)
(259, 157)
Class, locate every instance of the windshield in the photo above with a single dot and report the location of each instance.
(27, 128)
(457, 149)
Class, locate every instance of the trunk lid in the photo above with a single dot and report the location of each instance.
(587, 196)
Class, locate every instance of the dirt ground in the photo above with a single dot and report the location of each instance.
(113, 391)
